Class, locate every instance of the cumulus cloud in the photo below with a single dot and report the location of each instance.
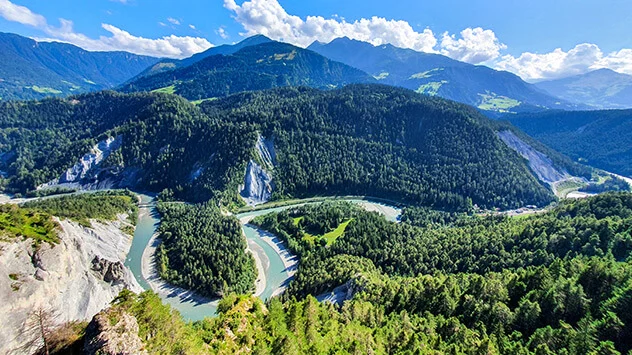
(173, 21)
(559, 64)
(269, 18)
(119, 40)
(21, 14)
(476, 45)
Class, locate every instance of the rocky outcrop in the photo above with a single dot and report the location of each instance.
(88, 172)
(258, 181)
(113, 333)
(75, 279)
(540, 163)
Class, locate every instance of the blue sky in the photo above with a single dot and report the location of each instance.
(536, 39)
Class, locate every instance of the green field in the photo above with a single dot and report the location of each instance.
(431, 88)
(330, 237)
(166, 90)
(497, 103)
(44, 90)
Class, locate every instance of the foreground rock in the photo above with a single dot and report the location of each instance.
(72, 280)
(112, 333)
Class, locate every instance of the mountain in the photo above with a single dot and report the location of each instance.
(599, 138)
(283, 143)
(31, 70)
(438, 75)
(602, 89)
(263, 66)
(225, 49)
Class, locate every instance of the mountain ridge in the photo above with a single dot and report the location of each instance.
(435, 74)
(33, 70)
(601, 89)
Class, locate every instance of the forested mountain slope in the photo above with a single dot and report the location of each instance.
(598, 138)
(31, 70)
(601, 89)
(363, 140)
(438, 75)
(387, 141)
(263, 66)
(163, 142)
(224, 49)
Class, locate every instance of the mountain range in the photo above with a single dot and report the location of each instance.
(438, 75)
(262, 66)
(601, 89)
(32, 70)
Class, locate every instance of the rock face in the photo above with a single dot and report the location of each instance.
(75, 279)
(88, 171)
(539, 163)
(258, 181)
(105, 338)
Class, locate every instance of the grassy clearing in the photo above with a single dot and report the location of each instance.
(166, 90)
(44, 90)
(431, 88)
(197, 102)
(497, 103)
(330, 237)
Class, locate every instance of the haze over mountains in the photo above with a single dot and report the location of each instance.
(32, 70)
(601, 89)
(435, 74)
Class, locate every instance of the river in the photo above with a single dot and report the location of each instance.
(277, 275)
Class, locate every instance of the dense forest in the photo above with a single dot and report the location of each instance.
(161, 134)
(596, 227)
(363, 140)
(598, 138)
(384, 142)
(258, 67)
(204, 251)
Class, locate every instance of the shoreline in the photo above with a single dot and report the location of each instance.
(262, 263)
(290, 261)
(163, 288)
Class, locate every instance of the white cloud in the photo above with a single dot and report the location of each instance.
(192, 27)
(124, 2)
(119, 40)
(476, 45)
(21, 14)
(268, 17)
(558, 63)
(620, 61)
(222, 33)
(173, 21)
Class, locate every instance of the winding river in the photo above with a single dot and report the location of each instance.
(277, 274)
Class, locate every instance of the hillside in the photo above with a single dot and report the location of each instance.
(264, 66)
(438, 75)
(33, 70)
(598, 138)
(601, 89)
(224, 49)
(290, 142)
(386, 142)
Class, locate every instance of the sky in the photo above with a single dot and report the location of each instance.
(536, 39)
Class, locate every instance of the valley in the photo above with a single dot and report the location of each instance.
(312, 185)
